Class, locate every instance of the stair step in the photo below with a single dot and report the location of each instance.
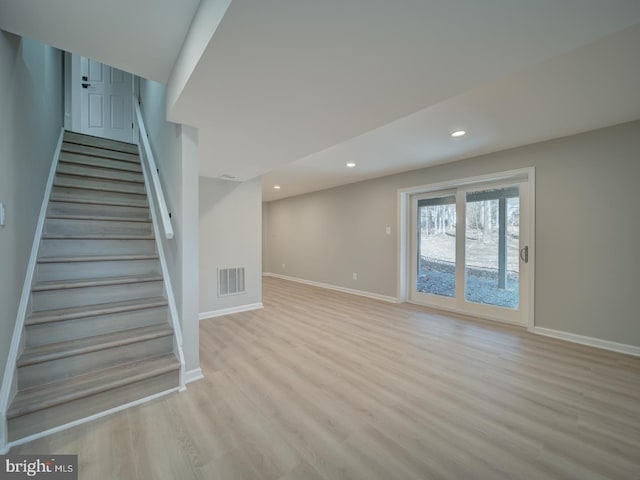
(97, 258)
(55, 351)
(100, 227)
(92, 141)
(110, 163)
(50, 236)
(98, 196)
(71, 313)
(77, 328)
(63, 247)
(100, 152)
(97, 210)
(89, 295)
(62, 216)
(102, 185)
(74, 388)
(104, 266)
(94, 282)
(99, 172)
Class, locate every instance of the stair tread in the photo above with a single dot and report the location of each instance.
(91, 151)
(54, 351)
(74, 388)
(98, 176)
(98, 188)
(46, 316)
(100, 142)
(65, 216)
(57, 197)
(51, 236)
(78, 160)
(95, 282)
(97, 258)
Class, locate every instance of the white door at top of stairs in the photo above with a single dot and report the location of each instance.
(106, 100)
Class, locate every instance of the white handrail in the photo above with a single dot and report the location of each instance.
(147, 154)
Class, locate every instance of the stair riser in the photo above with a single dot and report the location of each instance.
(80, 195)
(88, 182)
(47, 272)
(99, 162)
(68, 247)
(76, 297)
(47, 372)
(99, 152)
(35, 422)
(62, 331)
(73, 169)
(71, 137)
(64, 226)
(87, 209)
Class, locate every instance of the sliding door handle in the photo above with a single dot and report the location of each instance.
(524, 254)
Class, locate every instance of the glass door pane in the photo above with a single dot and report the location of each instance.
(492, 244)
(436, 245)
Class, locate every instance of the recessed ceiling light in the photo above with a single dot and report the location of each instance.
(351, 165)
(458, 133)
(276, 187)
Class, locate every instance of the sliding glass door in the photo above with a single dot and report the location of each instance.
(470, 250)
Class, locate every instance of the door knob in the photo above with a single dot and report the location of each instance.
(524, 254)
(86, 85)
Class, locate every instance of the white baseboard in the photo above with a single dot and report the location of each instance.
(193, 375)
(230, 310)
(590, 341)
(352, 291)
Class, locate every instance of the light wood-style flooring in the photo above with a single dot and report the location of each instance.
(325, 385)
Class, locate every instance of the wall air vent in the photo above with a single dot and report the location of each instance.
(230, 281)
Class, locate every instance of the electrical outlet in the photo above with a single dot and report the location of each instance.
(388, 230)
(355, 276)
(2, 215)
(283, 266)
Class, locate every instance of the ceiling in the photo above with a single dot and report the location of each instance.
(137, 36)
(293, 89)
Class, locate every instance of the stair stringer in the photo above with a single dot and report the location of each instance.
(9, 381)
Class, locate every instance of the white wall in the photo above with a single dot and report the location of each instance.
(587, 230)
(230, 236)
(30, 121)
(175, 151)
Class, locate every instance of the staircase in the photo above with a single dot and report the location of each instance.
(98, 334)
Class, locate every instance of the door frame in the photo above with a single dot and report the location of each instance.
(73, 90)
(404, 229)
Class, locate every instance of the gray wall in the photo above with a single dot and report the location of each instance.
(230, 236)
(175, 151)
(587, 230)
(30, 123)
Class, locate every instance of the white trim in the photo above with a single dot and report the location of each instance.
(467, 314)
(173, 310)
(361, 293)
(404, 218)
(228, 311)
(590, 341)
(90, 418)
(9, 371)
(193, 376)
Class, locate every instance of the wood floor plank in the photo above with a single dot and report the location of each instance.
(322, 385)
